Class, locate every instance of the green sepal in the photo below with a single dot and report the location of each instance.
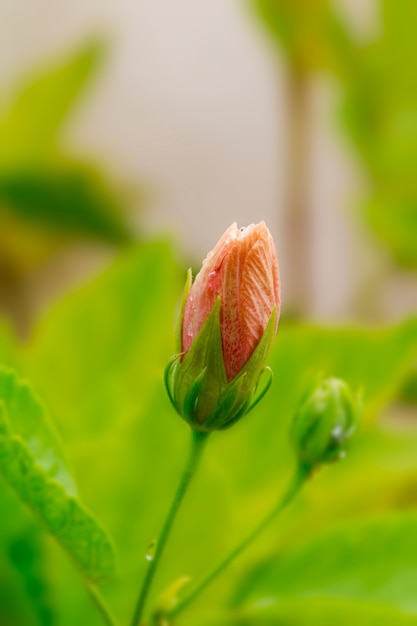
(190, 401)
(264, 390)
(247, 404)
(256, 363)
(169, 376)
(229, 405)
(187, 287)
(197, 383)
(205, 354)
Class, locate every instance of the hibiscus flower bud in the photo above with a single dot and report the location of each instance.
(228, 322)
(324, 422)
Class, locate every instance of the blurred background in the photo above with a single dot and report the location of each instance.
(122, 121)
(132, 134)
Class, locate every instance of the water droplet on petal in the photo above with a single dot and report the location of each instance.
(150, 550)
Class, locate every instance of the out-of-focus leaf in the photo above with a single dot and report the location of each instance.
(31, 461)
(408, 391)
(98, 358)
(394, 220)
(9, 348)
(24, 592)
(309, 33)
(319, 612)
(70, 200)
(379, 104)
(115, 333)
(30, 121)
(374, 561)
(380, 112)
(376, 360)
(45, 198)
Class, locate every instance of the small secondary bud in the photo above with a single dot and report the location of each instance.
(324, 421)
(229, 319)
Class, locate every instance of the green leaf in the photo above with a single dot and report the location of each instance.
(38, 185)
(29, 124)
(24, 590)
(31, 461)
(379, 111)
(320, 612)
(9, 349)
(312, 35)
(392, 216)
(98, 357)
(377, 360)
(116, 334)
(373, 561)
(69, 199)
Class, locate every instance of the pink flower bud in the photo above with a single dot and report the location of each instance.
(242, 271)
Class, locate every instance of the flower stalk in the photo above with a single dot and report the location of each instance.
(300, 476)
(197, 442)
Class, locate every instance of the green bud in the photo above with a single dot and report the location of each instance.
(324, 421)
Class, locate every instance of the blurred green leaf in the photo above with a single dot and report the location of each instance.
(394, 220)
(115, 333)
(107, 397)
(30, 121)
(24, 591)
(373, 561)
(380, 112)
(47, 198)
(321, 612)
(379, 101)
(70, 199)
(9, 347)
(31, 461)
(408, 391)
(311, 34)
(377, 360)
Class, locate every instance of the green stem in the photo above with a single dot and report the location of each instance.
(197, 443)
(101, 605)
(300, 475)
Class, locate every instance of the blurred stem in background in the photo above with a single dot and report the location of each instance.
(297, 220)
(197, 442)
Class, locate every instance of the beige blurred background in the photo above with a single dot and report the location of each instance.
(192, 103)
